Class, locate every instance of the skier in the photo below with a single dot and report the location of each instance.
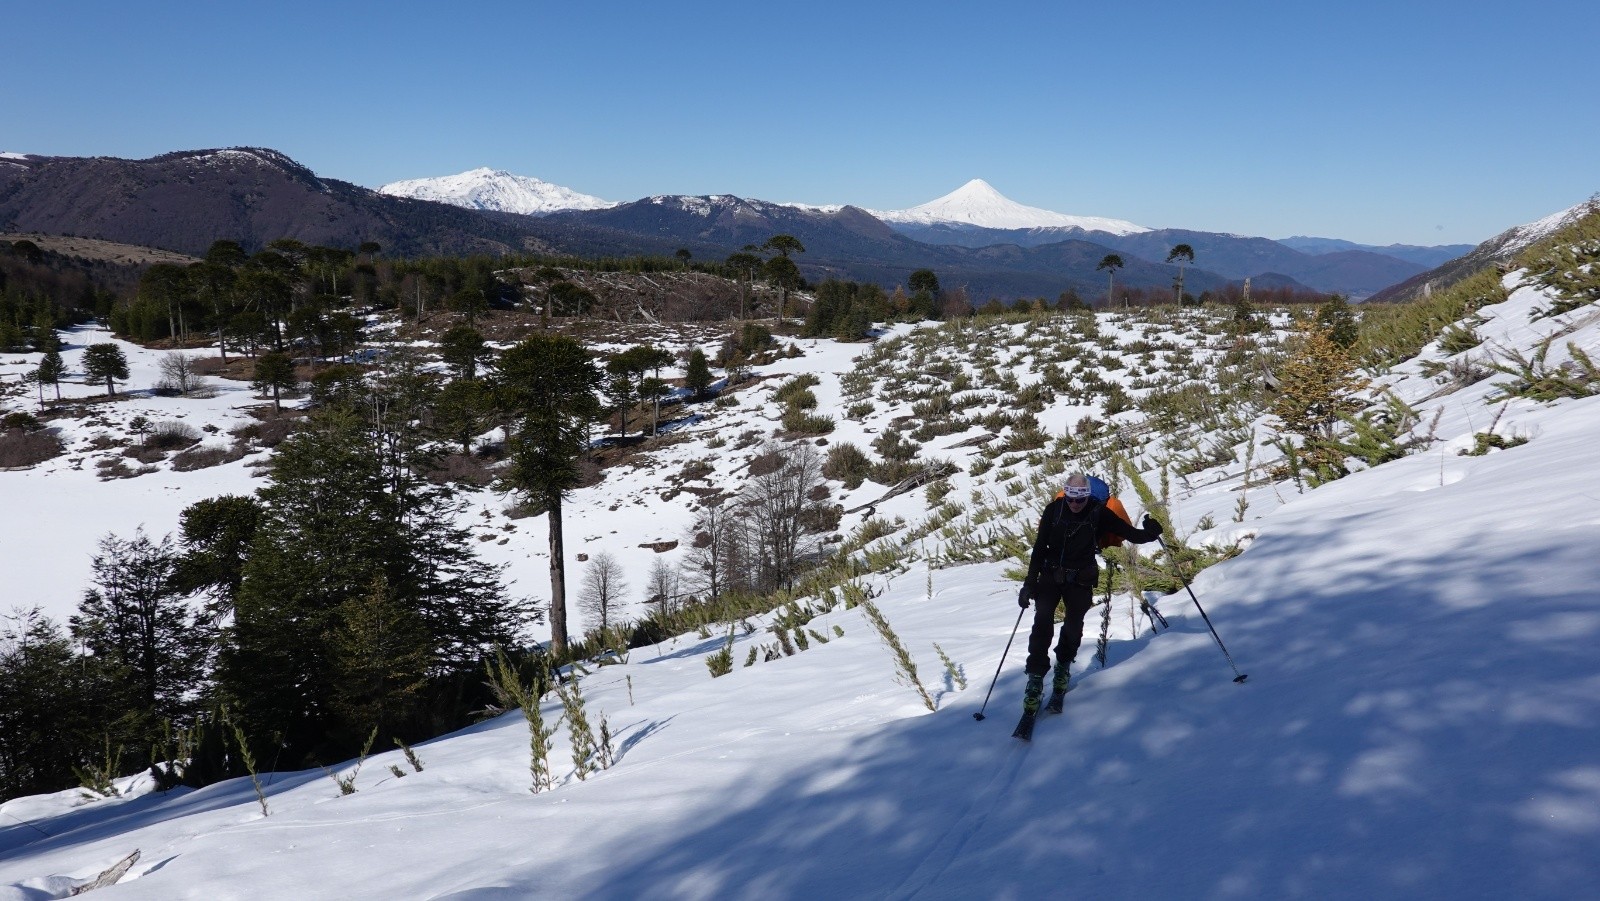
(1063, 568)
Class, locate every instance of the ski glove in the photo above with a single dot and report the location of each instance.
(1024, 595)
(1151, 524)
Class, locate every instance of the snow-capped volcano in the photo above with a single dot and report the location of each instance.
(498, 190)
(978, 203)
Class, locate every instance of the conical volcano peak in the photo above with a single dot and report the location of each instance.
(978, 203)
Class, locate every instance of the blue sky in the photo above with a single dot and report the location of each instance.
(1413, 122)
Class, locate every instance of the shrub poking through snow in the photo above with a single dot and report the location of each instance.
(721, 663)
(586, 753)
(411, 756)
(956, 675)
(511, 691)
(903, 664)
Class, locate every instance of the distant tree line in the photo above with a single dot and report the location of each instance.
(42, 291)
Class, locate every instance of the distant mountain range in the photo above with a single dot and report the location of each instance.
(973, 237)
(1428, 256)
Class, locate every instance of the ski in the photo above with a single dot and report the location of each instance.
(1024, 730)
(1054, 704)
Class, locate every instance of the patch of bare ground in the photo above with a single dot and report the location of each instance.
(21, 448)
(104, 251)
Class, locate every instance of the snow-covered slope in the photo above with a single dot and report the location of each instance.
(1421, 718)
(498, 190)
(1514, 240)
(978, 203)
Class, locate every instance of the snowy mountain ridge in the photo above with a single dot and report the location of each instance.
(975, 203)
(496, 190)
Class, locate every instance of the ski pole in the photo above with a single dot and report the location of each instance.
(1153, 615)
(1238, 676)
(979, 715)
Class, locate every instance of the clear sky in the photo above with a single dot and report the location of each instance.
(1409, 121)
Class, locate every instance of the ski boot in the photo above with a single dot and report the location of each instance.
(1059, 686)
(1030, 708)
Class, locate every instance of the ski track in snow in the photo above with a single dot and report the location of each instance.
(947, 850)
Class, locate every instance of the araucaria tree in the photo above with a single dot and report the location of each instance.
(105, 361)
(51, 368)
(782, 271)
(546, 391)
(1180, 254)
(1111, 262)
(275, 374)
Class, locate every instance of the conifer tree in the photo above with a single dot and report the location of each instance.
(136, 623)
(697, 373)
(464, 349)
(345, 508)
(381, 660)
(462, 411)
(547, 390)
(275, 373)
(50, 715)
(216, 534)
(1318, 386)
(1318, 383)
(52, 368)
(105, 361)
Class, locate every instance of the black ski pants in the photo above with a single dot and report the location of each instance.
(1078, 598)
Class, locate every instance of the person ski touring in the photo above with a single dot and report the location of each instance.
(1063, 569)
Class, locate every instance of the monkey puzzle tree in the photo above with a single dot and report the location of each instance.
(1180, 254)
(546, 390)
(105, 361)
(1111, 263)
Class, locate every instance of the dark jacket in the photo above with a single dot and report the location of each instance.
(1064, 553)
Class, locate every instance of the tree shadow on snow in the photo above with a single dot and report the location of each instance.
(1432, 745)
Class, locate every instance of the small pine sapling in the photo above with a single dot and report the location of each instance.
(96, 779)
(607, 750)
(249, 758)
(956, 674)
(721, 663)
(904, 664)
(347, 783)
(511, 691)
(411, 756)
(584, 749)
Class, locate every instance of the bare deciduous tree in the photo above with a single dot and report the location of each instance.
(178, 373)
(602, 589)
(662, 588)
(713, 544)
(772, 510)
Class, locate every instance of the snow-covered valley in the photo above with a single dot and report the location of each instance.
(1421, 717)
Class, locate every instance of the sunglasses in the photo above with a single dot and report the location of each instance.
(1077, 499)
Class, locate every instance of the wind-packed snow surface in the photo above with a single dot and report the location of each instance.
(1421, 720)
(498, 190)
(978, 203)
